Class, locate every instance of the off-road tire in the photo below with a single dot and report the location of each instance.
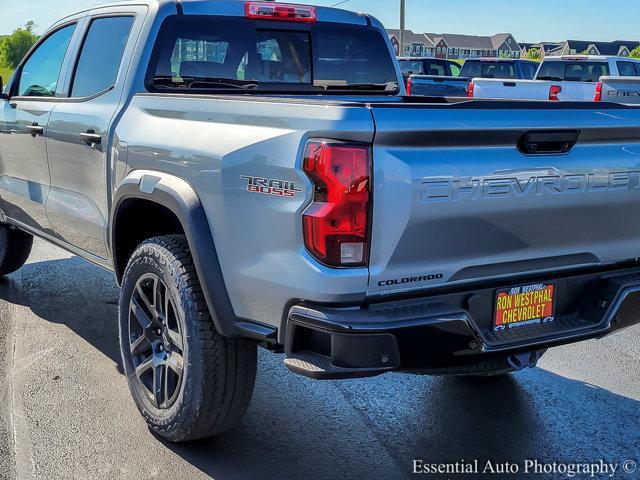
(219, 372)
(15, 247)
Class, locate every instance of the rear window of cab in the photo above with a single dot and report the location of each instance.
(209, 53)
(489, 69)
(573, 71)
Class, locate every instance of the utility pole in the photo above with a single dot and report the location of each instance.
(402, 24)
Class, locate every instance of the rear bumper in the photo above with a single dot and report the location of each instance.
(452, 333)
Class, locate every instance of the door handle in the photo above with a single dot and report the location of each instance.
(91, 137)
(35, 129)
(548, 142)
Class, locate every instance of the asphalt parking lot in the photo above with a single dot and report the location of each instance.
(66, 410)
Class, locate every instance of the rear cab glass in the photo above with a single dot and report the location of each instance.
(209, 53)
(436, 68)
(628, 69)
(488, 69)
(412, 67)
(427, 67)
(528, 70)
(573, 71)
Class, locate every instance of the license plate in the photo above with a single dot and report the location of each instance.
(525, 305)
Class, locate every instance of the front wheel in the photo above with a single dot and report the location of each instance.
(187, 380)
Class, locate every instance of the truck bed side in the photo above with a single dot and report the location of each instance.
(218, 144)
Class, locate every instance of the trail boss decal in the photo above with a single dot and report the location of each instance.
(271, 186)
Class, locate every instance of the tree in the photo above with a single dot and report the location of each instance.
(504, 54)
(635, 53)
(533, 54)
(15, 46)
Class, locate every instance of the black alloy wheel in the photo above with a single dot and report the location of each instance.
(156, 341)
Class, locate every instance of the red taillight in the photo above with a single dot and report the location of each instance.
(280, 11)
(336, 224)
(554, 90)
(409, 86)
(598, 96)
(470, 90)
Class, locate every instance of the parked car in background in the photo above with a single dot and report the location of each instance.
(428, 66)
(566, 78)
(457, 86)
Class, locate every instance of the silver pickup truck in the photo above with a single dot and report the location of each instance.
(253, 175)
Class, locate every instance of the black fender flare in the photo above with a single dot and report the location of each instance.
(177, 195)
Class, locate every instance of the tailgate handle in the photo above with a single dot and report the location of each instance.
(548, 142)
(509, 84)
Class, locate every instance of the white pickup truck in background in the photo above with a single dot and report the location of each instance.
(566, 78)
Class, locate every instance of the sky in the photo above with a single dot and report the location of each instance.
(529, 21)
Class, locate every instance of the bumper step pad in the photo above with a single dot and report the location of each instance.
(319, 367)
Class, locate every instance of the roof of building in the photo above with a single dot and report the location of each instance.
(559, 58)
(500, 38)
(471, 42)
(474, 42)
(411, 37)
(605, 48)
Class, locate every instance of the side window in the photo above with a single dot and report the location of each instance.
(626, 69)
(101, 55)
(637, 69)
(39, 74)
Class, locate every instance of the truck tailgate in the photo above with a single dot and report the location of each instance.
(620, 90)
(456, 201)
(511, 89)
(576, 91)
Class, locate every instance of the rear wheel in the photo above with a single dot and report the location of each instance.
(15, 247)
(187, 380)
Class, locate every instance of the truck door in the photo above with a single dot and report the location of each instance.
(24, 174)
(78, 136)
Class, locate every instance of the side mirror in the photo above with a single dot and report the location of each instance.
(3, 95)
